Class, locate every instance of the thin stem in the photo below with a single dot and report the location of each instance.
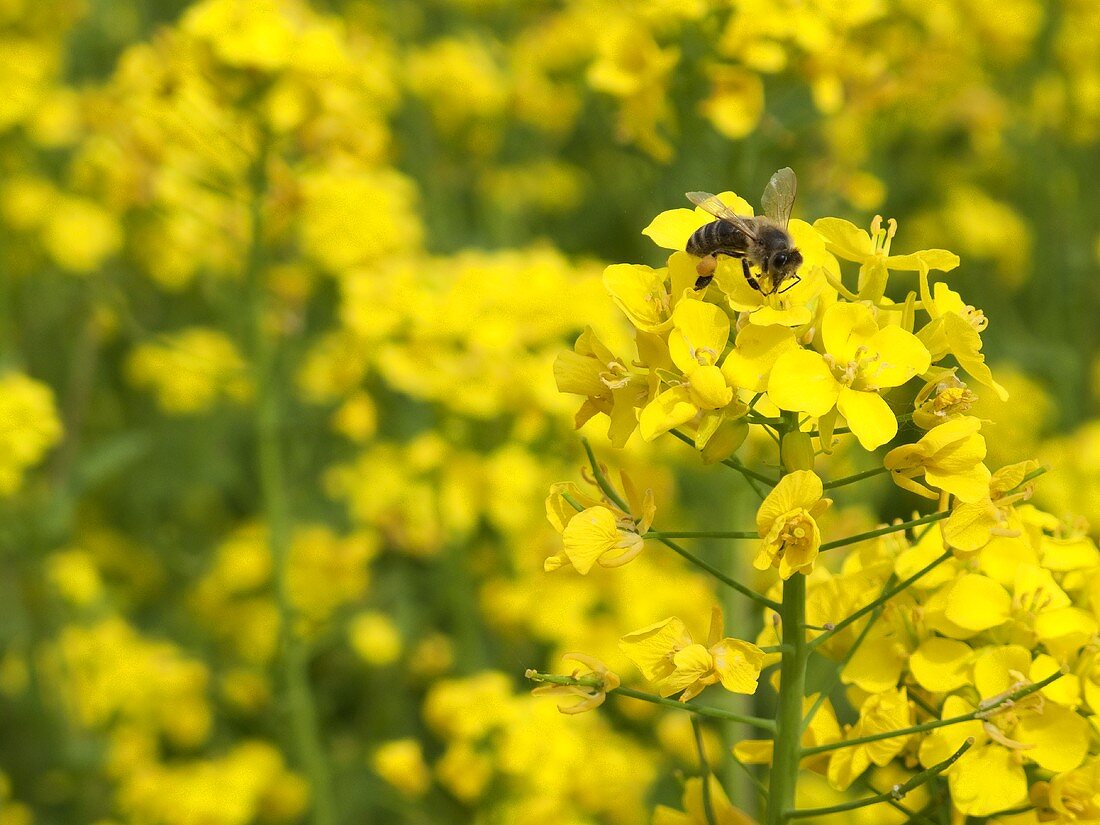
(273, 489)
(986, 709)
(749, 475)
(895, 793)
(601, 480)
(708, 806)
(885, 531)
(787, 750)
(691, 707)
(821, 697)
(852, 479)
(705, 534)
(760, 599)
(884, 597)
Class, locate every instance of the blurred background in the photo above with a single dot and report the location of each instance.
(281, 285)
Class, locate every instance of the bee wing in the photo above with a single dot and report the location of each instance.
(779, 195)
(711, 204)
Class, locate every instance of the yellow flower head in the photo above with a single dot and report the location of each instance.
(787, 522)
(950, 459)
(591, 695)
(600, 532)
(942, 398)
(696, 343)
(666, 654)
(860, 359)
(608, 385)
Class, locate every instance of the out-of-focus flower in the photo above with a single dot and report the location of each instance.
(401, 763)
(29, 427)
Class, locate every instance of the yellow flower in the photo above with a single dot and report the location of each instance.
(990, 776)
(1075, 795)
(600, 532)
(942, 398)
(859, 360)
(695, 809)
(647, 296)
(879, 713)
(955, 330)
(695, 344)
(608, 385)
(672, 228)
(375, 637)
(872, 252)
(400, 762)
(950, 459)
(971, 526)
(666, 654)
(29, 426)
(787, 524)
(591, 696)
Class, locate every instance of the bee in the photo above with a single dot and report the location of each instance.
(762, 242)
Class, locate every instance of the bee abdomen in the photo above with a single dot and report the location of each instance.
(716, 236)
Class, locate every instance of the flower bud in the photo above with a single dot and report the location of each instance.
(797, 451)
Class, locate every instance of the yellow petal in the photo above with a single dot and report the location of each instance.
(844, 239)
(876, 665)
(941, 665)
(939, 259)
(589, 535)
(987, 779)
(637, 290)
(845, 328)
(965, 344)
(671, 229)
(869, 417)
(651, 648)
(738, 664)
(1000, 669)
(755, 353)
(901, 356)
(977, 603)
(709, 390)
(969, 485)
(670, 409)
(1058, 736)
(802, 381)
(699, 334)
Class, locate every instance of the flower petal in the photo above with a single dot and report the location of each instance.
(670, 409)
(845, 328)
(801, 380)
(869, 417)
(672, 229)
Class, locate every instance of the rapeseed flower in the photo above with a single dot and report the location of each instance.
(787, 523)
(949, 457)
(665, 653)
(29, 427)
(600, 532)
(860, 359)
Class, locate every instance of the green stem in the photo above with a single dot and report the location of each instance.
(273, 489)
(750, 476)
(700, 746)
(747, 592)
(984, 710)
(705, 534)
(885, 531)
(787, 752)
(895, 793)
(601, 479)
(852, 479)
(884, 597)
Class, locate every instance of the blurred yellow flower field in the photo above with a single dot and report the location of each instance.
(373, 450)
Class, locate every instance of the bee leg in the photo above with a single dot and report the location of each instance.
(755, 284)
(797, 279)
(705, 268)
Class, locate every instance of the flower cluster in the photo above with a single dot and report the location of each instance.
(964, 635)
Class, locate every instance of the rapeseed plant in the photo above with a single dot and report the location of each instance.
(961, 661)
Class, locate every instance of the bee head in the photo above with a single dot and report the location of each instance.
(784, 262)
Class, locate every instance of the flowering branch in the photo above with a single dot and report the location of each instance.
(984, 710)
(884, 531)
(691, 707)
(852, 479)
(895, 793)
(882, 599)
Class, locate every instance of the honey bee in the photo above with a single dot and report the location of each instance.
(762, 241)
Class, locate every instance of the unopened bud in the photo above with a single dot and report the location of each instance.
(797, 451)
